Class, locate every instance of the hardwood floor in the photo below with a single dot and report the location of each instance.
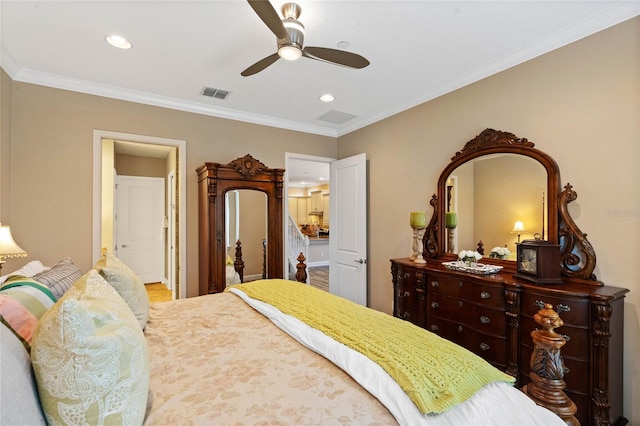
(158, 292)
(319, 277)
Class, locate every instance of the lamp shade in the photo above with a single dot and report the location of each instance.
(8, 247)
(518, 227)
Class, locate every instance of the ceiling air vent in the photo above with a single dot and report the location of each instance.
(336, 117)
(215, 93)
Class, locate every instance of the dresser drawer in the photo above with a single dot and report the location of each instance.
(437, 284)
(483, 319)
(577, 339)
(410, 277)
(572, 311)
(412, 315)
(478, 317)
(408, 295)
(484, 295)
(491, 348)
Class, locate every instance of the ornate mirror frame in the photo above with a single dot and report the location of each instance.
(214, 181)
(578, 258)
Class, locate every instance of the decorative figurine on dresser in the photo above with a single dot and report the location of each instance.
(489, 308)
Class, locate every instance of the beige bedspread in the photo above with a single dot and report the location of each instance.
(216, 361)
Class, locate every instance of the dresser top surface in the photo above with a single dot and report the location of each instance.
(570, 286)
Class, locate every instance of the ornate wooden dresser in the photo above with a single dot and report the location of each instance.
(492, 315)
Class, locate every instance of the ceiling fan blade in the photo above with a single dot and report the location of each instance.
(270, 17)
(335, 56)
(260, 65)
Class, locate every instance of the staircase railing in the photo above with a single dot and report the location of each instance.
(297, 243)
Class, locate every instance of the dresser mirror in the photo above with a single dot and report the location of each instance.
(487, 195)
(496, 180)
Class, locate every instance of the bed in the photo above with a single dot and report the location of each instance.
(100, 355)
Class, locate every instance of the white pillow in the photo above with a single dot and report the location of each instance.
(28, 270)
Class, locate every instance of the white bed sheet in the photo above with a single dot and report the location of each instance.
(495, 404)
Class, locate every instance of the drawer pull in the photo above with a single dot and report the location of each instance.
(566, 337)
(435, 283)
(406, 315)
(560, 308)
(485, 320)
(485, 295)
(484, 346)
(406, 294)
(403, 277)
(435, 328)
(419, 290)
(459, 329)
(459, 303)
(459, 283)
(435, 305)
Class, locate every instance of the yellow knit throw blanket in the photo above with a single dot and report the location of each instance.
(436, 374)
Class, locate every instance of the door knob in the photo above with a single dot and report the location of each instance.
(361, 261)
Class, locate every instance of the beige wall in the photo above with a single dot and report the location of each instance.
(51, 158)
(580, 104)
(5, 146)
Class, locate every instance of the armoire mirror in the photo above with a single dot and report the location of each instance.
(246, 222)
(215, 181)
(516, 182)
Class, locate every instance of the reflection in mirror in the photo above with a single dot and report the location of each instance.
(246, 220)
(489, 194)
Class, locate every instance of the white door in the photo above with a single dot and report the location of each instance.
(139, 225)
(348, 242)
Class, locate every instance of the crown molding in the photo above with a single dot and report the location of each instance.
(60, 82)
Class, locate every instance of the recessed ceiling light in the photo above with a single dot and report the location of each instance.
(118, 41)
(327, 97)
(343, 44)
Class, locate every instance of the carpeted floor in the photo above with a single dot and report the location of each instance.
(158, 292)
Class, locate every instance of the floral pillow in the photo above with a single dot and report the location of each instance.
(90, 358)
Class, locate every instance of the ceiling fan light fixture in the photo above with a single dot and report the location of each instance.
(290, 53)
(118, 41)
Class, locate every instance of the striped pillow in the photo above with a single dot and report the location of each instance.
(23, 301)
(60, 277)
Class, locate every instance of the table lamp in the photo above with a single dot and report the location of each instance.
(518, 228)
(8, 247)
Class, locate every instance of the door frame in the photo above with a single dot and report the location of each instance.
(181, 146)
(288, 156)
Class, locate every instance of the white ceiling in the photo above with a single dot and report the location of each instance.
(418, 50)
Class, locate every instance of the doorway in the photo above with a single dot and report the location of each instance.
(307, 191)
(106, 147)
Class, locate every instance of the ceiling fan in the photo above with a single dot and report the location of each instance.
(290, 36)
